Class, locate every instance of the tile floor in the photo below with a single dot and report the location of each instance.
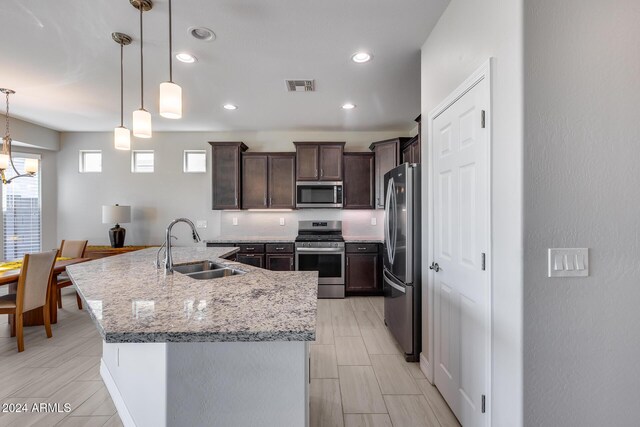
(358, 376)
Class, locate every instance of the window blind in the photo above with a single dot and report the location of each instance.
(21, 213)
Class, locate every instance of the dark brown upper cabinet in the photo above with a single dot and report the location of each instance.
(387, 156)
(282, 181)
(411, 151)
(268, 180)
(359, 186)
(226, 179)
(319, 161)
(254, 181)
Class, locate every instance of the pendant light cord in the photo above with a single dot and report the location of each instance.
(170, 46)
(141, 61)
(121, 85)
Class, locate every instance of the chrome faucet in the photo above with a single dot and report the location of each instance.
(168, 258)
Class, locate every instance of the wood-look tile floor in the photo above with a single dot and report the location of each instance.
(358, 375)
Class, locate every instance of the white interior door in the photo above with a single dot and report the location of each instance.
(460, 154)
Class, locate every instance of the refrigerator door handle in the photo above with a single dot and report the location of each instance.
(409, 243)
(390, 220)
(393, 284)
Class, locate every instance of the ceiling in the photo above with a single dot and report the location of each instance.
(60, 59)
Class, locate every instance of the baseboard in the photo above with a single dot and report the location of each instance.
(121, 407)
(425, 367)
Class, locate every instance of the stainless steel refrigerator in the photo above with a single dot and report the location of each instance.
(402, 261)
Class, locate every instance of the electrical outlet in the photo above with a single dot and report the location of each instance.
(281, 221)
(374, 220)
(201, 223)
(235, 220)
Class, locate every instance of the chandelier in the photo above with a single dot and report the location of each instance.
(6, 159)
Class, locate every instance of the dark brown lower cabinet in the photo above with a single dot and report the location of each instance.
(257, 260)
(363, 269)
(280, 262)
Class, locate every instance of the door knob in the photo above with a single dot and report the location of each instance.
(434, 266)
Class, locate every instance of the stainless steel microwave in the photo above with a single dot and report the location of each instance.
(319, 194)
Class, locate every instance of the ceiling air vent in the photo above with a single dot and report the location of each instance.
(300, 85)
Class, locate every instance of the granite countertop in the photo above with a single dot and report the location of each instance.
(263, 239)
(251, 239)
(132, 301)
(363, 239)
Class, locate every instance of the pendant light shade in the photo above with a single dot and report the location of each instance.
(141, 117)
(122, 138)
(170, 100)
(142, 123)
(31, 166)
(170, 93)
(121, 135)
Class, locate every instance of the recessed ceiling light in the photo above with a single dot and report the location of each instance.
(202, 33)
(348, 106)
(230, 107)
(361, 57)
(186, 58)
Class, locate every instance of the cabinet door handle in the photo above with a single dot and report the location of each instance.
(270, 203)
(362, 249)
(279, 249)
(347, 260)
(251, 249)
(321, 172)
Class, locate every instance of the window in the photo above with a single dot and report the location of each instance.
(90, 161)
(195, 161)
(142, 161)
(21, 212)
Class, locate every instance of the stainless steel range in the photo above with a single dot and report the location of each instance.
(320, 247)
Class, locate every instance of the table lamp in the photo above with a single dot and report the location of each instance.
(116, 214)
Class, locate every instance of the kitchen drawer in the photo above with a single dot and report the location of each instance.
(362, 247)
(279, 248)
(251, 248)
(256, 260)
(220, 245)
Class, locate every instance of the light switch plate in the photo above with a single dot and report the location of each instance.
(201, 223)
(235, 220)
(569, 262)
(281, 221)
(374, 221)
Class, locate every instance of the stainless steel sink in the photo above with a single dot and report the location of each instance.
(215, 274)
(205, 270)
(196, 267)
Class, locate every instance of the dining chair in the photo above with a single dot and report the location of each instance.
(69, 249)
(31, 293)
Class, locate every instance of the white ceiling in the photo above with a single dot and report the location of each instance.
(60, 59)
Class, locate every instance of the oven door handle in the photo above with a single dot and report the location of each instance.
(319, 250)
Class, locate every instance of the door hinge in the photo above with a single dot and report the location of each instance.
(484, 403)
(484, 261)
(483, 119)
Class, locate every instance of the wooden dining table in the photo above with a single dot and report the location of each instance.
(34, 317)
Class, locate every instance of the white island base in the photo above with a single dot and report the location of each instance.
(208, 384)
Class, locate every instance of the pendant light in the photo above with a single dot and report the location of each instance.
(141, 117)
(170, 93)
(121, 135)
(6, 159)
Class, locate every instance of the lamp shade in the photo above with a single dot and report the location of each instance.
(122, 138)
(4, 161)
(141, 124)
(31, 165)
(116, 214)
(170, 100)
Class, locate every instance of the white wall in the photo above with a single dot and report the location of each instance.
(169, 193)
(582, 115)
(32, 135)
(467, 34)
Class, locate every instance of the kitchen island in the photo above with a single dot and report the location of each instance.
(179, 351)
